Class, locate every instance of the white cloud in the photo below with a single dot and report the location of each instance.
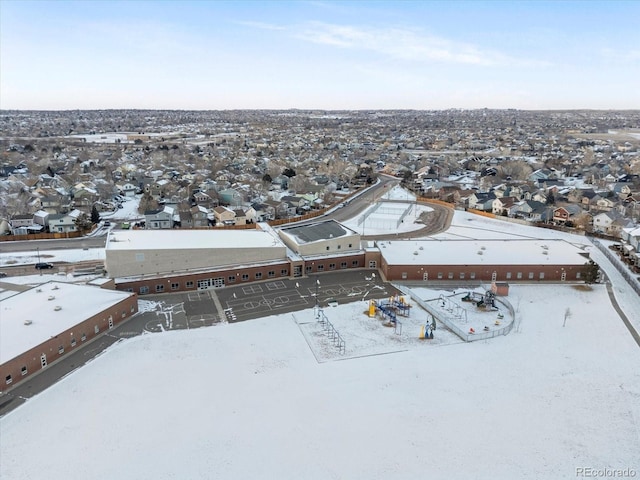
(407, 44)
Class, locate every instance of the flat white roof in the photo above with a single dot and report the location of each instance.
(482, 252)
(190, 239)
(76, 302)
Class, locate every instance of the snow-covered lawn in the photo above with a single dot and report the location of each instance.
(250, 400)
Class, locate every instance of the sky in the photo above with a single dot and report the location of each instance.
(426, 55)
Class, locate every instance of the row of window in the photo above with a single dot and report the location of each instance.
(73, 342)
(332, 266)
(216, 282)
(494, 276)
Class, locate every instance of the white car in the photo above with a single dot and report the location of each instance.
(332, 302)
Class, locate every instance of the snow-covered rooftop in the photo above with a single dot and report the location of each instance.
(316, 232)
(38, 305)
(482, 252)
(189, 239)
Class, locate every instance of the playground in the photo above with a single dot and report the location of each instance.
(371, 327)
(473, 314)
(425, 318)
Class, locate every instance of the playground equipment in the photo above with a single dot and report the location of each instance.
(487, 301)
(453, 308)
(426, 331)
(331, 332)
(389, 309)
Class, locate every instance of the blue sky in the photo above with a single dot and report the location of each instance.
(318, 54)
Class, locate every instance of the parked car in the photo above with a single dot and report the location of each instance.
(44, 266)
(107, 223)
(3, 274)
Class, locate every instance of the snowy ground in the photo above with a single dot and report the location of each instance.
(274, 398)
(250, 400)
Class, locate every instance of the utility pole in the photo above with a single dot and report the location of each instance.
(317, 306)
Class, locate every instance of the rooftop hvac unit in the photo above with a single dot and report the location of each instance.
(51, 297)
(28, 322)
(58, 308)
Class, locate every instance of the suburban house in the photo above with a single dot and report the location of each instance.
(186, 219)
(230, 196)
(159, 219)
(503, 205)
(602, 203)
(24, 224)
(203, 199)
(565, 214)
(41, 218)
(200, 216)
(64, 222)
(631, 235)
(281, 209)
(240, 216)
(530, 210)
(482, 201)
(52, 200)
(263, 211)
(128, 190)
(84, 196)
(224, 216)
(610, 223)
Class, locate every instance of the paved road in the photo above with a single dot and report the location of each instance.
(60, 244)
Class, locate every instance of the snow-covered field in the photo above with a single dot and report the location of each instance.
(274, 398)
(250, 400)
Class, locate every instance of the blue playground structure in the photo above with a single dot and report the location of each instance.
(389, 309)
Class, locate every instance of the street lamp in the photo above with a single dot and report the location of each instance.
(316, 308)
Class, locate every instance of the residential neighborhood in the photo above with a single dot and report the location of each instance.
(62, 171)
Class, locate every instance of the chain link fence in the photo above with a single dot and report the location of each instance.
(450, 321)
(615, 261)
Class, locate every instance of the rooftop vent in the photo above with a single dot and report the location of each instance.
(51, 297)
(55, 287)
(38, 289)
